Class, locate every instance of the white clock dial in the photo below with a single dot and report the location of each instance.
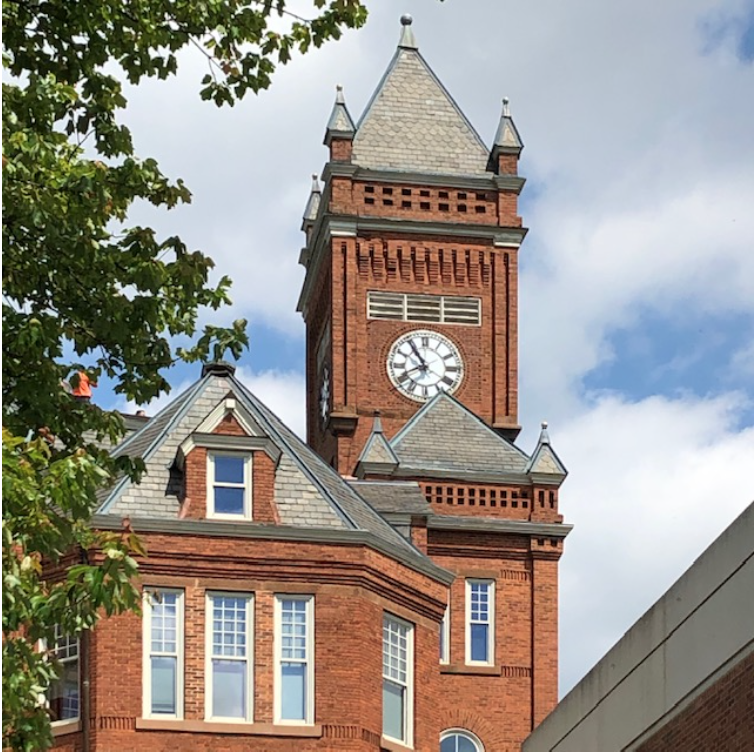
(325, 395)
(422, 363)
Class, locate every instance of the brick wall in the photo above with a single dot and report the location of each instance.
(719, 719)
(352, 586)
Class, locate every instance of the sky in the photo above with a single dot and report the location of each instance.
(636, 285)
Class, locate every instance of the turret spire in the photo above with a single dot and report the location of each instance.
(313, 203)
(340, 124)
(507, 139)
(407, 40)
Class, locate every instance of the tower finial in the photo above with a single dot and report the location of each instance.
(339, 94)
(505, 107)
(407, 40)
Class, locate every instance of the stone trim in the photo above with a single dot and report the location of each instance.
(65, 728)
(250, 530)
(458, 669)
(465, 523)
(388, 744)
(242, 729)
(228, 442)
(503, 477)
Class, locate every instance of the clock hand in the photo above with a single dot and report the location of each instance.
(417, 353)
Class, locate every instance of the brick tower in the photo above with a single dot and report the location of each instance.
(410, 305)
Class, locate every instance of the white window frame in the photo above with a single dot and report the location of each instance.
(147, 654)
(462, 732)
(246, 515)
(491, 623)
(249, 712)
(64, 661)
(445, 636)
(309, 660)
(409, 698)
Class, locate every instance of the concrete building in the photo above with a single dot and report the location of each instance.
(392, 585)
(681, 679)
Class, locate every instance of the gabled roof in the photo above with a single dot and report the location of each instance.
(308, 492)
(412, 123)
(445, 436)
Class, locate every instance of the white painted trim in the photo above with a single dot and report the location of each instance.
(45, 698)
(233, 407)
(309, 599)
(491, 649)
(462, 732)
(409, 706)
(147, 653)
(249, 712)
(210, 486)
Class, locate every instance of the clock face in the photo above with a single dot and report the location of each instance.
(422, 363)
(324, 398)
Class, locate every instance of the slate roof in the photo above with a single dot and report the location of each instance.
(413, 124)
(445, 436)
(308, 492)
(393, 497)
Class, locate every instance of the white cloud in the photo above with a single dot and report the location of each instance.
(282, 392)
(651, 485)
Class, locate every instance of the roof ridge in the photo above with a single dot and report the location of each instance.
(261, 409)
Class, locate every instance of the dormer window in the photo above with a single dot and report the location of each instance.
(229, 488)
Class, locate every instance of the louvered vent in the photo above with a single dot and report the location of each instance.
(412, 307)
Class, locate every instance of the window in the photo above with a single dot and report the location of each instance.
(163, 672)
(397, 680)
(415, 307)
(228, 694)
(63, 695)
(444, 638)
(460, 740)
(294, 686)
(229, 485)
(479, 640)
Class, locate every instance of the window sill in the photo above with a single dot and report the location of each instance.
(246, 729)
(471, 669)
(388, 744)
(64, 728)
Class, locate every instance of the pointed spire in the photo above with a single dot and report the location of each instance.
(313, 203)
(377, 456)
(340, 124)
(407, 40)
(507, 139)
(544, 439)
(545, 463)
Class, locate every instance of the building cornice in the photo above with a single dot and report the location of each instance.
(480, 183)
(529, 528)
(250, 530)
(490, 477)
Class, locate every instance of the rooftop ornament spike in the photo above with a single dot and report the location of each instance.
(377, 425)
(340, 124)
(507, 139)
(313, 204)
(407, 40)
(544, 437)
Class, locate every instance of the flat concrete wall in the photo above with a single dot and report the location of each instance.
(700, 629)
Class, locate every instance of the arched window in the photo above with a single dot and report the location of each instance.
(460, 740)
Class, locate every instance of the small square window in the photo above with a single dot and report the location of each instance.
(229, 485)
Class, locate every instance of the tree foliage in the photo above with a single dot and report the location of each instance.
(82, 289)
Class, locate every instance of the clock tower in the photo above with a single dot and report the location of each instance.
(411, 259)
(410, 304)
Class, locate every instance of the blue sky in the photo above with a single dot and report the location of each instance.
(636, 286)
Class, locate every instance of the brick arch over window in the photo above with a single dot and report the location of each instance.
(470, 722)
(470, 737)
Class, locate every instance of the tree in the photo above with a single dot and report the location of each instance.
(83, 291)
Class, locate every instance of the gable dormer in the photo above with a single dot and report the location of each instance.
(229, 467)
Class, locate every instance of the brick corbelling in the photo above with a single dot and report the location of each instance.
(719, 719)
(226, 558)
